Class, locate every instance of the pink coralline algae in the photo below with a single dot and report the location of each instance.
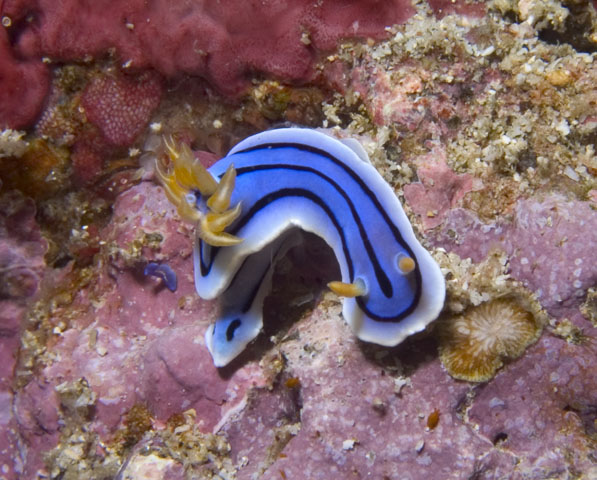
(120, 106)
(351, 412)
(21, 249)
(486, 128)
(551, 246)
(388, 103)
(439, 190)
(21, 268)
(221, 42)
(509, 411)
(140, 344)
(23, 87)
(87, 157)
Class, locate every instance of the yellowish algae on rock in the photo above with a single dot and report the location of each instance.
(589, 308)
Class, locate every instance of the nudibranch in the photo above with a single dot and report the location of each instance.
(248, 207)
(163, 272)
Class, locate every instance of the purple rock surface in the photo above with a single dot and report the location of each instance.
(21, 267)
(132, 339)
(550, 242)
(481, 116)
(356, 409)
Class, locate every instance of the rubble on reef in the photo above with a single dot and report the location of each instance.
(482, 117)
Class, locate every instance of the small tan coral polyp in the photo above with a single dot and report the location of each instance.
(474, 344)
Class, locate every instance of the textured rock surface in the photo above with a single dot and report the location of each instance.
(132, 339)
(355, 410)
(483, 123)
(439, 191)
(550, 243)
(220, 43)
(121, 106)
(23, 87)
(21, 269)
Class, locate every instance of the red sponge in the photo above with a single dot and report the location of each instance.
(226, 42)
(23, 87)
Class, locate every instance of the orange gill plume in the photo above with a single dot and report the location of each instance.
(174, 169)
(182, 175)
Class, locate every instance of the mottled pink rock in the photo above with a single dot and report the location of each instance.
(357, 409)
(359, 418)
(549, 394)
(439, 190)
(121, 105)
(24, 85)
(21, 269)
(176, 367)
(388, 102)
(133, 340)
(36, 409)
(551, 245)
(406, 95)
(87, 158)
(21, 248)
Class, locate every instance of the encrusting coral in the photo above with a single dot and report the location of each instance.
(490, 317)
(474, 344)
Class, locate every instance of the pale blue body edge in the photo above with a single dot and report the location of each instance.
(261, 234)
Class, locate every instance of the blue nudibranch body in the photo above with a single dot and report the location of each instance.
(282, 180)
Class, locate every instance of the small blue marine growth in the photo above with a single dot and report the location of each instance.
(164, 272)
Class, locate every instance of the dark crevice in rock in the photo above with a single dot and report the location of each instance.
(577, 29)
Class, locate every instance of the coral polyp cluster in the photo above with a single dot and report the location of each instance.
(474, 344)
